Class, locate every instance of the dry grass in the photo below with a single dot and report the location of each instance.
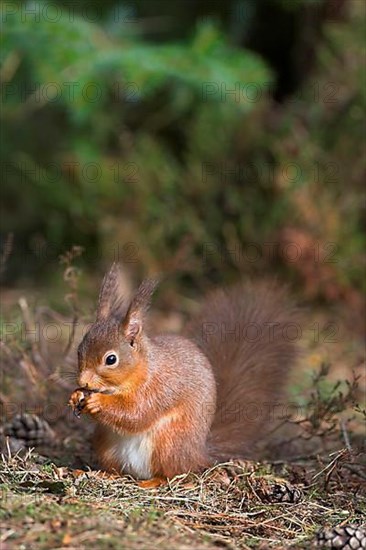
(232, 505)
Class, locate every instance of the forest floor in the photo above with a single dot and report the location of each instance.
(233, 505)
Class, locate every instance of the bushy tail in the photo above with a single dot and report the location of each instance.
(250, 335)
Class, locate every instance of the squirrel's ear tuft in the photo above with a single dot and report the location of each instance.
(111, 297)
(132, 324)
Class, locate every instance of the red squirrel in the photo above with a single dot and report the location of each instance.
(167, 404)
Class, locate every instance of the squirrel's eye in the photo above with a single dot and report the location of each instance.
(111, 359)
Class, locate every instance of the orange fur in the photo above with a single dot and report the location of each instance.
(152, 483)
(156, 408)
(170, 442)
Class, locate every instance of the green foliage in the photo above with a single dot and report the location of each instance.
(128, 127)
(82, 53)
(112, 139)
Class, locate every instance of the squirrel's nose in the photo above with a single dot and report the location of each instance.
(86, 379)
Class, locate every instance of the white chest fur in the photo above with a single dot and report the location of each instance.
(132, 452)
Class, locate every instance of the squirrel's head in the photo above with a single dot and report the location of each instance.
(112, 355)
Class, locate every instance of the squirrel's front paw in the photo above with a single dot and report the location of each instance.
(77, 401)
(94, 403)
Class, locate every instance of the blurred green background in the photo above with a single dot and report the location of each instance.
(210, 139)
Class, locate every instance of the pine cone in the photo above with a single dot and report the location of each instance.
(284, 492)
(30, 430)
(347, 537)
(279, 492)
